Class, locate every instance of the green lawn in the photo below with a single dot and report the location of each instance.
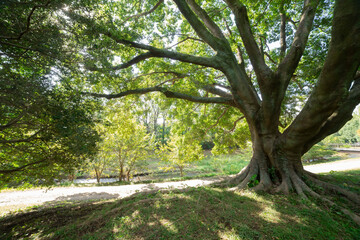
(197, 213)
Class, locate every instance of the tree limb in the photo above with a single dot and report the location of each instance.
(167, 93)
(290, 62)
(338, 119)
(12, 122)
(198, 26)
(235, 123)
(282, 32)
(209, 23)
(155, 52)
(336, 77)
(242, 22)
(133, 61)
(8, 171)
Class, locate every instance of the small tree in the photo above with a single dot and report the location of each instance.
(180, 151)
(127, 142)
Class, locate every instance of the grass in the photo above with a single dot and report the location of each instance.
(196, 213)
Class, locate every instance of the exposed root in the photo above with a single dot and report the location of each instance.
(240, 176)
(244, 178)
(302, 188)
(333, 188)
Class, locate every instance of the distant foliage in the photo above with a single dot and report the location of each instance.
(181, 151)
(318, 152)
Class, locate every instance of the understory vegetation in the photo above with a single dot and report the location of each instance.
(194, 213)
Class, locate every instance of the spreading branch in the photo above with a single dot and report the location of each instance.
(235, 123)
(290, 62)
(242, 22)
(198, 26)
(155, 52)
(209, 23)
(167, 93)
(17, 169)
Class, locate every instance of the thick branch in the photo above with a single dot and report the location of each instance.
(133, 61)
(198, 26)
(209, 23)
(282, 32)
(217, 91)
(339, 71)
(289, 64)
(242, 22)
(338, 119)
(162, 53)
(168, 94)
(155, 52)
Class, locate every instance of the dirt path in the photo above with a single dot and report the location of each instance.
(342, 165)
(10, 201)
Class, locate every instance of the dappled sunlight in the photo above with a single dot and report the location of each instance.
(269, 214)
(168, 225)
(195, 213)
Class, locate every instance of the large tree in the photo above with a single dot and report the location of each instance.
(218, 52)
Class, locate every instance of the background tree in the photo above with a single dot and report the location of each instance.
(180, 151)
(125, 141)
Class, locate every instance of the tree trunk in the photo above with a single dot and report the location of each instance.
(98, 174)
(121, 173)
(181, 168)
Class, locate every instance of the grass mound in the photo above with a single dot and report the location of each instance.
(197, 213)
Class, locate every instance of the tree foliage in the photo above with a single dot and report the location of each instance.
(125, 141)
(180, 151)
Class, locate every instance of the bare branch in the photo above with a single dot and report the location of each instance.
(235, 123)
(217, 120)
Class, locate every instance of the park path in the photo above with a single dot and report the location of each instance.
(13, 200)
(342, 165)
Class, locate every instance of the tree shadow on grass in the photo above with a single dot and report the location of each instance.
(86, 196)
(193, 213)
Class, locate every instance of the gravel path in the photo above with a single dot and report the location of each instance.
(20, 199)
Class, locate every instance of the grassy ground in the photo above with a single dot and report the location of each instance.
(197, 213)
